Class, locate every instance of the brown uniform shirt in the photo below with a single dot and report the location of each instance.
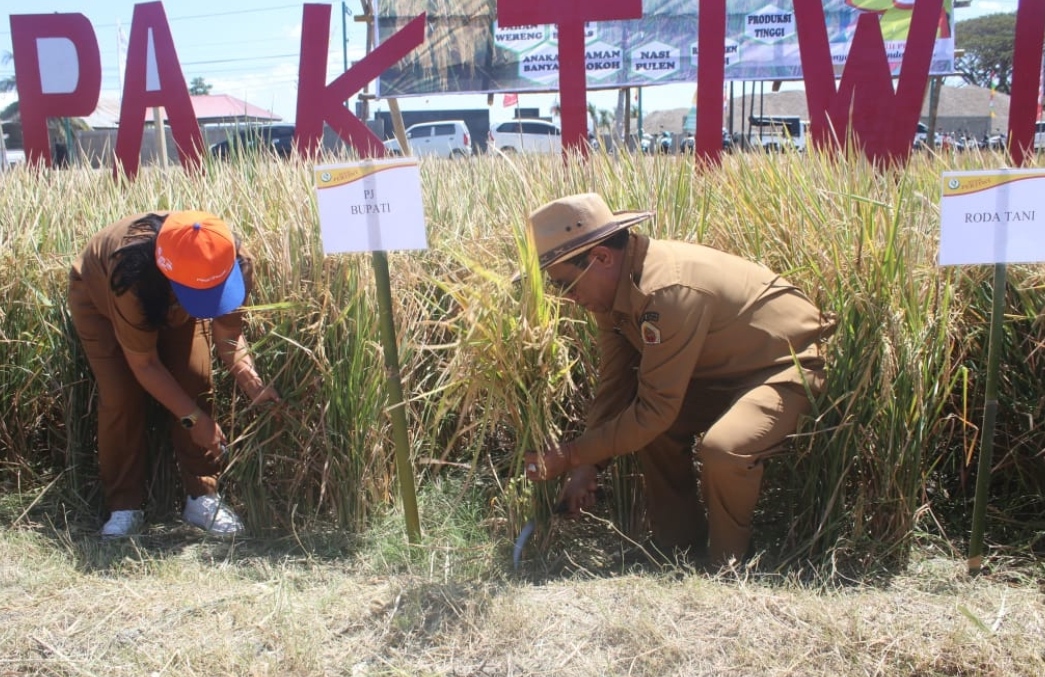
(689, 316)
(94, 269)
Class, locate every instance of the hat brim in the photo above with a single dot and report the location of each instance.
(621, 221)
(216, 301)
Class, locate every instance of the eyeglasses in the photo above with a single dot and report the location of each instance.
(564, 287)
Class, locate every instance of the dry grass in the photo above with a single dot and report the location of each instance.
(72, 606)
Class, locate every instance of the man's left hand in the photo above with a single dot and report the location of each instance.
(548, 465)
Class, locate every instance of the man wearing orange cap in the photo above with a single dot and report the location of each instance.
(700, 351)
(148, 296)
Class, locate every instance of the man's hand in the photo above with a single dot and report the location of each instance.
(579, 491)
(547, 466)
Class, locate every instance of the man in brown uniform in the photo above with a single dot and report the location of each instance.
(692, 341)
(142, 297)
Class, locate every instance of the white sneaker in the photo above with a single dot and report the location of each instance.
(123, 523)
(210, 513)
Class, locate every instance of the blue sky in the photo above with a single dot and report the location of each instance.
(249, 49)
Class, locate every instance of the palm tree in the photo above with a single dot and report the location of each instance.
(7, 84)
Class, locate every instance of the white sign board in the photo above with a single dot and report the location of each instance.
(992, 217)
(370, 206)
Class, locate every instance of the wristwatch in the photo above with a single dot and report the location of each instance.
(188, 421)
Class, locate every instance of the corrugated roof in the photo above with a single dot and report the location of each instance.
(106, 115)
(216, 109)
(222, 108)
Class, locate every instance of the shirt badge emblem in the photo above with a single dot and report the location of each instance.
(650, 334)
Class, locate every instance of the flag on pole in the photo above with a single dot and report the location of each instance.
(511, 100)
(1041, 91)
(991, 100)
(121, 55)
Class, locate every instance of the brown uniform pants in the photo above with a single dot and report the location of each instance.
(740, 431)
(123, 403)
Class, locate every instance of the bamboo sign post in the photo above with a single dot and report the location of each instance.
(991, 217)
(375, 206)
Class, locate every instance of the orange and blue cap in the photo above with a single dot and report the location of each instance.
(196, 251)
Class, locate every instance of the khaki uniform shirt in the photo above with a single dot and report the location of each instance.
(94, 269)
(690, 316)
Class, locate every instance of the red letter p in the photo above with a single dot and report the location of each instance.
(58, 72)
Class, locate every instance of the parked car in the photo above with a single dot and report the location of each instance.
(776, 133)
(443, 138)
(526, 136)
(276, 139)
(12, 157)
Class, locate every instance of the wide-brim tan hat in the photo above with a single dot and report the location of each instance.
(573, 224)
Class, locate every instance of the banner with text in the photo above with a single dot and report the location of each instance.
(467, 52)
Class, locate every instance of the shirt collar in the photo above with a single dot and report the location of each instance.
(627, 286)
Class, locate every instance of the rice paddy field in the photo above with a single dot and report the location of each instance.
(874, 497)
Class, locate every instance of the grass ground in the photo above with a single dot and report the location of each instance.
(172, 602)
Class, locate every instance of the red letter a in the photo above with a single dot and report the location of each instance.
(145, 88)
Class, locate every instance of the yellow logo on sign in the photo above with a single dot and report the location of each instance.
(967, 185)
(331, 178)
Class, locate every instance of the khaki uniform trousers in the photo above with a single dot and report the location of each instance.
(740, 430)
(123, 403)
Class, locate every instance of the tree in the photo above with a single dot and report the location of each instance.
(986, 45)
(7, 84)
(199, 86)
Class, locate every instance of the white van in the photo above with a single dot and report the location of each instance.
(443, 138)
(1039, 136)
(774, 133)
(10, 157)
(526, 136)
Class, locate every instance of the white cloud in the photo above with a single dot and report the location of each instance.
(984, 7)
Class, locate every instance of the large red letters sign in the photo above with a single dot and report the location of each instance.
(882, 121)
(166, 86)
